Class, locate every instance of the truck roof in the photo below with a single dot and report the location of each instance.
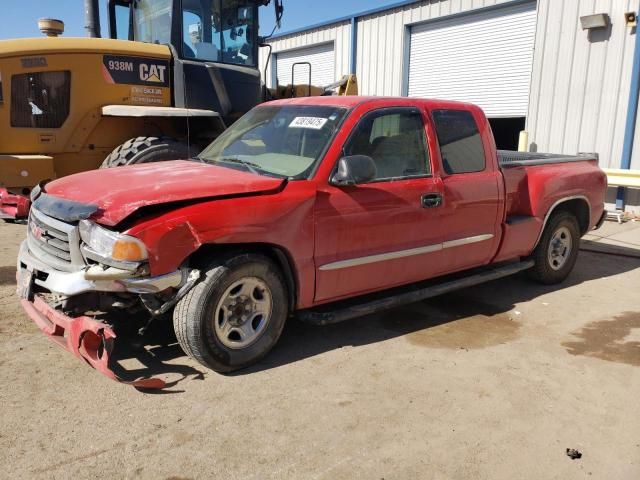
(353, 101)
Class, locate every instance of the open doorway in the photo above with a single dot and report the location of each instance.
(506, 131)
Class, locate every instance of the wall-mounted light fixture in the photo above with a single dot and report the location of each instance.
(598, 20)
(631, 19)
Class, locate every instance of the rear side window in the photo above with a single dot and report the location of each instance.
(460, 143)
(40, 100)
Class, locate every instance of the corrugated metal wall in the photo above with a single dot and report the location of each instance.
(580, 82)
(321, 57)
(463, 59)
(338, 33)
(381, 39)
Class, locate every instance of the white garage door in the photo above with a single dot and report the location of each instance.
(485, 59)
(322, 59)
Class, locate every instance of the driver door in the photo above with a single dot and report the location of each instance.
(383, 233)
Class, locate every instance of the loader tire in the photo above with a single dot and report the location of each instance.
(557, 251)
(147, 150)
(234, 316)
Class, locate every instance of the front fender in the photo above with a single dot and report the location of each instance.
(283, 220)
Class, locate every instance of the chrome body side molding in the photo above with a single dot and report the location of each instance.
(383, 257)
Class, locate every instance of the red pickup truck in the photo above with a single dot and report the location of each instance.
(326, 208)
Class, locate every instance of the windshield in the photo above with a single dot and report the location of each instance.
(220, 31)
(281, 141)
(212, 30)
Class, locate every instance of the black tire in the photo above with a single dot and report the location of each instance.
(195, 315)
(147, 150)
(548, 271)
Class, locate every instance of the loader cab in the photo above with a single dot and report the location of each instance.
(214, 44)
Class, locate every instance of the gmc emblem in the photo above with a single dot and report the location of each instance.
(36, 231)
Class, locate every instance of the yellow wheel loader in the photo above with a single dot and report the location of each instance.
(171, 77)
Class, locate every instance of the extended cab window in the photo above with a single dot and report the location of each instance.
(395, 140)
(461, 147)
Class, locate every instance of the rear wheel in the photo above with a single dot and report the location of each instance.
(557, 252)
(148, 149)
(235, 315)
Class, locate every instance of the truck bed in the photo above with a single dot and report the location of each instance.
(510, 158)
(534, 183)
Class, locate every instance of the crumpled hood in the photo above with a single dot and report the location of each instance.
(118, 192)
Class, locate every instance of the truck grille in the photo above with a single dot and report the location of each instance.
(54, 242)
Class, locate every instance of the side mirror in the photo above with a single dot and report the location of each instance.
(354, 170)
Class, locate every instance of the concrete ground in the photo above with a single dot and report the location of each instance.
(493, 382)
(613, 237)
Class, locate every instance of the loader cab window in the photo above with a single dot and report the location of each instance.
(152, 21)
(40, 99)
(200, 39)
(220, 31)
(122, 17)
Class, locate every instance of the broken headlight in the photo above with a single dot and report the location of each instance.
(111, 245)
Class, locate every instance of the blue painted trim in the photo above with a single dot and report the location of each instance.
(392, 6)
(354, 46)
(621, 198)
(406, 60)
(274, 70)
(630, 125)
(472, 12)
(632, 109)
(348, 18)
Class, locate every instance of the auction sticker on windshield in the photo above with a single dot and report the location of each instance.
(315, 123)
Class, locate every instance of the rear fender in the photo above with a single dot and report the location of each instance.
(578, 205)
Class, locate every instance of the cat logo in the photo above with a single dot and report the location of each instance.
(152, 73)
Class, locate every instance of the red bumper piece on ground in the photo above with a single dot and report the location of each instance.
(12, 206)
(88, 339)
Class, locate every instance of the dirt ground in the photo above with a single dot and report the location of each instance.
(493, 382)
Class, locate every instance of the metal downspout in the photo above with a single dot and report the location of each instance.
(354, 45)
(632, 113)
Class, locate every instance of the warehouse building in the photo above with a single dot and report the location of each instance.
(559, 69)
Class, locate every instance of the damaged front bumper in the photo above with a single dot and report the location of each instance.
(87, 339)
(13, 207)
(94, 279)
(84, 337)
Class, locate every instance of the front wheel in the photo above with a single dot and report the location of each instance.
(557, 251)
(235, 315)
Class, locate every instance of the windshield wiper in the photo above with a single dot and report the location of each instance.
(252, 167)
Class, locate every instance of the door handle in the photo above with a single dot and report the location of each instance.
(431, 200)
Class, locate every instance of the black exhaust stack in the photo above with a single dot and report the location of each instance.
(92, 18)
